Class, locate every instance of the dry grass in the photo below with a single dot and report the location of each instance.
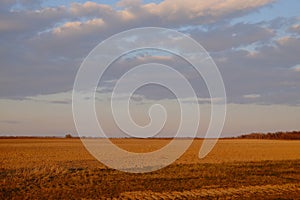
(62, 168)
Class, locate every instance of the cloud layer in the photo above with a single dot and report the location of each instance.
(42, 47)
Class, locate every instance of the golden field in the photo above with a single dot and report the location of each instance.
(235, 169)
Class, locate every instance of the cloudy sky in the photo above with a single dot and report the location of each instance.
(255, 44)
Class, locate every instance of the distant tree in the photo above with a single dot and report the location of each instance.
(68, 136)
(294, 135)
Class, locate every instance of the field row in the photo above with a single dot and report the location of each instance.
(62, 168)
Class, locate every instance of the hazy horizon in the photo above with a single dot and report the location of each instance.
(255, 45)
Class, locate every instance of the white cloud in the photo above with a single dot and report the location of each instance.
(295, 28)
(205, 11)
(167, 13)
(296, 68)
(43, 48)
(76, 26)
(91, 9)
(130, 14)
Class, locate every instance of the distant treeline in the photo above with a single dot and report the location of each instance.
(29, 137)
(281, 135)
(292, 135)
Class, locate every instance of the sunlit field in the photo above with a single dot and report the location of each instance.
(236, 168)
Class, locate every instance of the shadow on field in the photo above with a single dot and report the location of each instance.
(278, 179)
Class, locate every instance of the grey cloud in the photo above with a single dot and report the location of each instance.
(195, 12)
(295, 28)
(284, 53)
(61, 102)
(27, 23)
(41, 50)
(10, 122)
(231, 36)
(6, 4)
(265, 72)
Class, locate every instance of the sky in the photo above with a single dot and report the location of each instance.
(255, 45)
